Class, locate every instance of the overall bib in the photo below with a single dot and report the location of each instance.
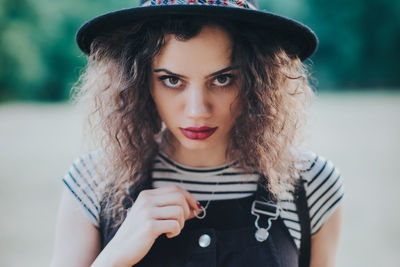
(224, 238)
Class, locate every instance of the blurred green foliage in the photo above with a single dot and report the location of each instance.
(359, 43)
(359, 40)
(38, 56)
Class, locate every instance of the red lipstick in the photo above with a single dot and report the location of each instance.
(198, 133)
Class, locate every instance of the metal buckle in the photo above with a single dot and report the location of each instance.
(271, 210)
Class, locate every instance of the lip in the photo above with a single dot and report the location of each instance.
(199, 129)
(198, 133)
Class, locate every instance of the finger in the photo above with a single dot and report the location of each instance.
(171, 199)
(193, 214)
(171, 213)
(169, 227)
(193, 203)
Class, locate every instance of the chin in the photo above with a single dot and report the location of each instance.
(197, 144)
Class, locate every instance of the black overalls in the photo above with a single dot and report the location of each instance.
(224, 238)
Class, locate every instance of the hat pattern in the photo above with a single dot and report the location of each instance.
(225, 3)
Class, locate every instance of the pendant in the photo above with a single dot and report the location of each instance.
(202, 214)
(261, 234)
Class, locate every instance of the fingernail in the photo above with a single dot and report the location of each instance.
(199, 205)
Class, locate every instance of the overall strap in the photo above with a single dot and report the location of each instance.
(262, 194)
(305, 224)
(265, 209)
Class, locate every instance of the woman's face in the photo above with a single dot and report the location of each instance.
(195, 89)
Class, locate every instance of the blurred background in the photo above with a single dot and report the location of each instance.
(354, 121)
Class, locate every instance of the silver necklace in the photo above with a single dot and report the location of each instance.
(204, 209)
(203, 212)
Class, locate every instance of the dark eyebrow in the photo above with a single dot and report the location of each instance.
(222, 71)
(169, 72)
(210, 75)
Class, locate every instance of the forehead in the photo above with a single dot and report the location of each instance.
(209, 50)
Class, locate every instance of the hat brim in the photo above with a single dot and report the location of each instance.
(297, 37)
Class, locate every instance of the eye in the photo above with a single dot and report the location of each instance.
(223, 80)
(171, 81)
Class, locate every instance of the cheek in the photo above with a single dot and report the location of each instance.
(166, 106)
(235, 107)
(229, 110)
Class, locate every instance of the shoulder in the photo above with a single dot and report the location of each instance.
(324, 188)
(83, 179)
(86, 170)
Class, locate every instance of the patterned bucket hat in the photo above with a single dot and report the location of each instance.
(300, 38)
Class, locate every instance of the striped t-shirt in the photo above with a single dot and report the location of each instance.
(323, 185)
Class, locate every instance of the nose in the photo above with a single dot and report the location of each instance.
(197, 104)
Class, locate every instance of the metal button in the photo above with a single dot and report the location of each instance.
(204, 241)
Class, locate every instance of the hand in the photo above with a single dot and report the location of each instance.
(157, 211)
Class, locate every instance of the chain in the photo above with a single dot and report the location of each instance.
(203, 212)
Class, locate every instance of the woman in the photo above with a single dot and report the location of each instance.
(198, 107)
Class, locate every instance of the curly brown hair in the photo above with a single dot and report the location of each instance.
(123, 119)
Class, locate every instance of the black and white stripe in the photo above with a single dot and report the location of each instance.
(82, 180)
(324, 188)
(221, 182)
